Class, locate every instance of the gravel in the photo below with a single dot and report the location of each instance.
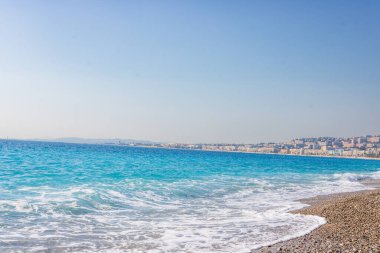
(353, 225)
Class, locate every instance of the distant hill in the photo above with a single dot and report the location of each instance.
(115, 141)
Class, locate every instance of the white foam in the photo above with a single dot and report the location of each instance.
(215, 215)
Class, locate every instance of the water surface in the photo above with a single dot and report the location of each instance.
(57, 197)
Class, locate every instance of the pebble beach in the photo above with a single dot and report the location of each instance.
(352, 225)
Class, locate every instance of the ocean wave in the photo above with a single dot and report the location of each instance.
(126, 216)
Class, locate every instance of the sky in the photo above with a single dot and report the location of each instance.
(189, 71)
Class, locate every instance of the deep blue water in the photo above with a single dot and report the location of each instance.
(85, 198)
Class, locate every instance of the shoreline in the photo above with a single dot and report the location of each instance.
(259, 153)
(207, 150)
(352, 225)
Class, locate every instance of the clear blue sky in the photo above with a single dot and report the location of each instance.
(189, 71)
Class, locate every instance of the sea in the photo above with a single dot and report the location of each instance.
(58, 197)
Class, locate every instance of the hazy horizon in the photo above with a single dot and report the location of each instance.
(189, 71)
(134, 140)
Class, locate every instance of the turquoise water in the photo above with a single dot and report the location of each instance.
(86, 198)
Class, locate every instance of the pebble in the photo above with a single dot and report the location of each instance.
(353, 225)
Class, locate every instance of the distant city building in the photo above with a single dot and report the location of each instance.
(373, 139)
(368, 146)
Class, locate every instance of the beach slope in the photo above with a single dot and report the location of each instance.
(353, 225)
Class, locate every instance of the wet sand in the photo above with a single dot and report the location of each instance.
(353, 225)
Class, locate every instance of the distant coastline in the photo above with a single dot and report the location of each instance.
(258, 153)
(214, 147)
(366, 147)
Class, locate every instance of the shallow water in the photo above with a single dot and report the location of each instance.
(86, 198)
